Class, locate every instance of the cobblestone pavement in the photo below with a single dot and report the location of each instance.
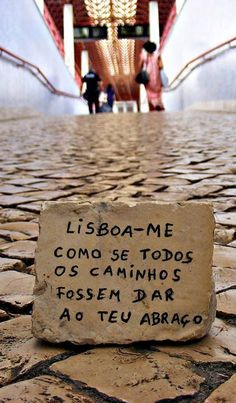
(164, 157)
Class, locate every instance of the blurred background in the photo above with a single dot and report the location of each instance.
(47, 46)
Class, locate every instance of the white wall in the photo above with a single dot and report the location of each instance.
(24, 32)
(201, 25)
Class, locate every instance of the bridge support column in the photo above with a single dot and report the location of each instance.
(84, 62)
(69, 37)
(179, 5)
(40, 4)
(154, 32)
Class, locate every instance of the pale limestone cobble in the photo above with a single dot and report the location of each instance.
(165, 157)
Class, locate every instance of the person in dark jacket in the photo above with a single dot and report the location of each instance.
(92, 92)
(110, 95)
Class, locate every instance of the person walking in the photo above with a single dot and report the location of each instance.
(92, 92)
(151, 62)
(110, 95)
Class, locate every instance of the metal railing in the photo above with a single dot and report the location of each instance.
(36, 71)
(198, 60)
(175, 82)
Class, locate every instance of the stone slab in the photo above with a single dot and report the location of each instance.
(14, 283)
(11, 189)
(24, 181)
(32, 207)
(172, 197)
(19, 250)
(226, 303)
(16, 289)
(11, 215)
(44, 195)
(232, 244)
(218, 345)
(20, 351)
(224, 393)
(9, 201)
(119, 273)
(27, 230)
(11, 264)
(224, 236)
(131, 375)
(226, 218)
(224, 256)
(229, 192)
(42, 389)
(224, 279)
